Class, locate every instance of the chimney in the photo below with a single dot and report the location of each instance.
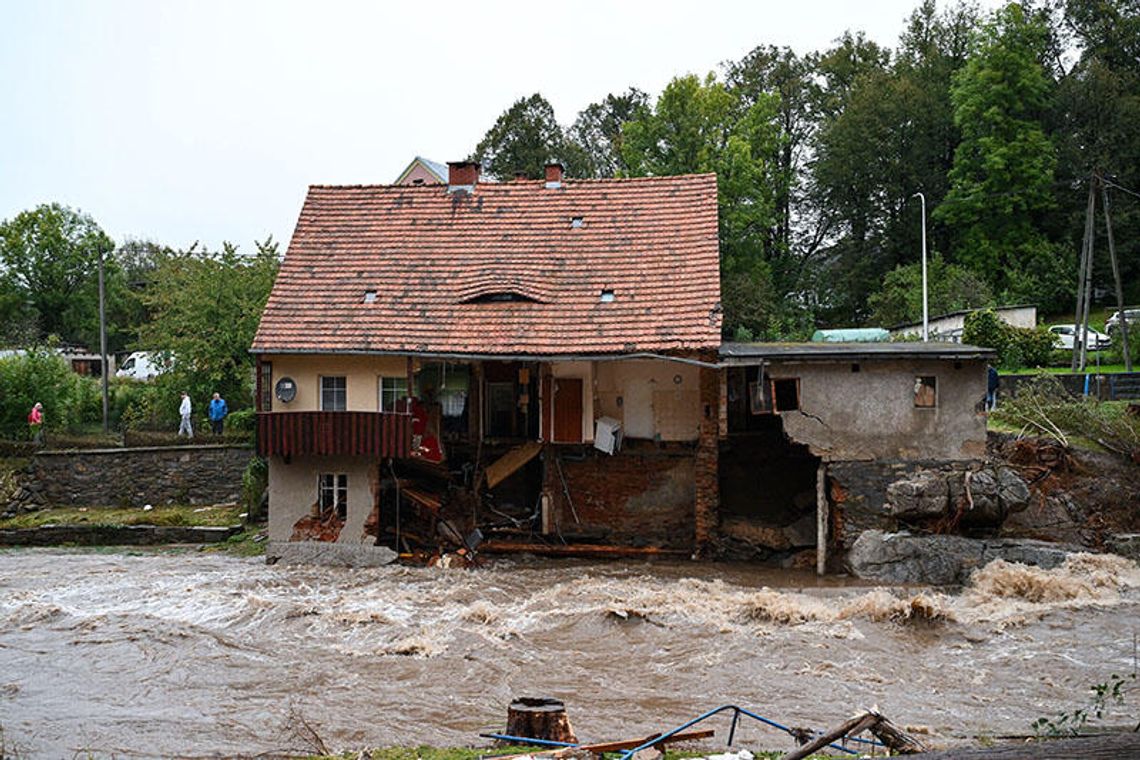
(554, 174)
(462, 175)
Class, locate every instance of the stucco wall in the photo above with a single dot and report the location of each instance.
(659, 399)
(870, 414)
(293, 491)
(950, 327)
(362, 375)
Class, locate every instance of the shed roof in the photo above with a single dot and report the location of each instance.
(639, 271)
(755, 353)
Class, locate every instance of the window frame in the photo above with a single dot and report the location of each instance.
(380, 390)
(919, 384)
(776, 408)
(332, 493)
(343, 393)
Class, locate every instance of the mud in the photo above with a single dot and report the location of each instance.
(157, 654)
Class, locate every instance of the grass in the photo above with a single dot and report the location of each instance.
(1092, 368)
(244, 544)
(167, 516)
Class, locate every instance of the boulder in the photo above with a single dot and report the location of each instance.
(1013, 491)
(942, 560)
(1126, 545)
(922, 494)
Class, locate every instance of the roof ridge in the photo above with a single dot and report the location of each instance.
(521, 183)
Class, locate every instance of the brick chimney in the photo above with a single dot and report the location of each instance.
(554, 174)
(462, 175)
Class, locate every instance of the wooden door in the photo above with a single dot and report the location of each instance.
(567, 410)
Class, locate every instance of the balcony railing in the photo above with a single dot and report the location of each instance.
(373, 434)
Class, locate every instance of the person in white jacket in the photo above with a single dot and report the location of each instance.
(184, 410)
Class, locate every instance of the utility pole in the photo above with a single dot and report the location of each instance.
(1085, 253)
(1116, 278)
(925, 305)
(103, 344)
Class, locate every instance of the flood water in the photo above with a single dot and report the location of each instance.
(189, 654)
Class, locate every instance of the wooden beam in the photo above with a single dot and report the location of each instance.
(1106, 747)
(822, 516)
(579, 550)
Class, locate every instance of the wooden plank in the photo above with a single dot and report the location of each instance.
(631, 743)
(511, 462)
(579, 550)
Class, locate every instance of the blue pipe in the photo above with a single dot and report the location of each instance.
(527, 740)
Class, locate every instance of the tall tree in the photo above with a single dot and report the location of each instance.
(597, 131)
(701, 126)
(524, 139)
(50, 259)
(1001, 184)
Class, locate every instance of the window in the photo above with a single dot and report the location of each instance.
(332, 493)
(607, 296)
(786, 394)
(334, 394)
(576, 222)
(925, 392)
(370, 296)
(266, 386)
(393, 392)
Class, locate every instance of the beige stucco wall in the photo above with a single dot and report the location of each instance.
(362, 375)
(950, 328)
(293, 491)
(870, 414)
(653, 403)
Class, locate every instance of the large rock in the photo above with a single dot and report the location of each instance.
(1125, 544)
(921, 494)
(942, 560)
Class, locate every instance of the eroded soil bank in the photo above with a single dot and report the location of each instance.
(185, 653)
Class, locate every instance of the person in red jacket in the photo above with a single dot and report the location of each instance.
(36, 422)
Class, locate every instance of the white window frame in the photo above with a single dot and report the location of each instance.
(344, 390)
(332, 493)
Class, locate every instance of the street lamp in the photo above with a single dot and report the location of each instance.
(925, 309)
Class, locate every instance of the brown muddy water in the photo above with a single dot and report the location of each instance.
(188, 654)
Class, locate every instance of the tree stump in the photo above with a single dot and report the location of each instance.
(540, 718)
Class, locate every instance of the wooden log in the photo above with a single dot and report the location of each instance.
(852, 726)
(540, 718)
(897, 740)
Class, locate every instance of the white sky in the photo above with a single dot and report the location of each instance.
(184, 121)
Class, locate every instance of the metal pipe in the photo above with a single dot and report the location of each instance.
(925, 304)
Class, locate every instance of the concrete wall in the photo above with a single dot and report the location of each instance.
(138, 476)
(870, 414)
(362, 375)
(293, 492)
(658, 399)
(950, 327)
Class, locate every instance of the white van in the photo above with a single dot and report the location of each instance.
(141, 365)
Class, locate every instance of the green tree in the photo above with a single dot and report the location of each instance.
(950, 288)
(1001, 184)
(597, 131)
(700, 126)
(50, 257)
(525, 138)
(206, 307)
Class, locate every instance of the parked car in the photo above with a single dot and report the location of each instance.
(1069, 335)
(1113, 322)
(142, 365)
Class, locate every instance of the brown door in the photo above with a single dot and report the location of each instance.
(567, 410)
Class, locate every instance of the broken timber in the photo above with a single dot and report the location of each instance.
(894, 738)
(511, 462)
(601, 747)
(1106, 747)
(579, 550)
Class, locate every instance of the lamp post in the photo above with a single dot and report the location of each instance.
(103, 344)
(925, 307)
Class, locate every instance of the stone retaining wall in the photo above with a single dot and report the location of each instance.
(114, 535)
(138, 476)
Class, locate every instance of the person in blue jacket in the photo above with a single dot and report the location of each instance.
(217, 412)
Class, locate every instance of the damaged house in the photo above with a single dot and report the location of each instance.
(532, 359)
(538, 366)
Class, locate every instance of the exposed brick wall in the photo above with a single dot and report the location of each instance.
(706, 466)
(641, 496)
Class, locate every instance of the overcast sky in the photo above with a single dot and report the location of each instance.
(184, 121)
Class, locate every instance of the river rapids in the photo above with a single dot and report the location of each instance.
(161, 654)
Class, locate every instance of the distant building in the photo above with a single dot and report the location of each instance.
(948, 327)
(423, 171)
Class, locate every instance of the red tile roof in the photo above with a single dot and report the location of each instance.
(428, 253)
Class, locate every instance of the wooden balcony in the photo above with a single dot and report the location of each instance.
(370, 434)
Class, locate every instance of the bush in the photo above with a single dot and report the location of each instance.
(1016, 347)
(40, 374)
(1115, 354)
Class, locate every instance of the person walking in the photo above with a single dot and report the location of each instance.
(217, 412)
(184, 409)
(36, 423)
(992, 384)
